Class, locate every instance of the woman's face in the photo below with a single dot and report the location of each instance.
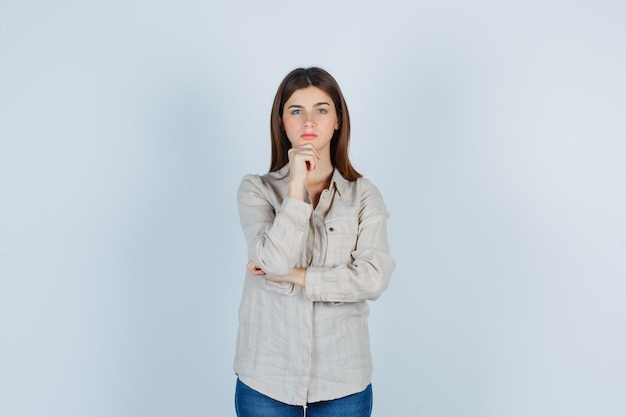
(309, 116)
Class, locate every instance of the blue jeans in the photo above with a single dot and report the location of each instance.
(251, 403)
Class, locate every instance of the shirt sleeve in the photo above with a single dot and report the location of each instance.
(368, 273)
(274, 237)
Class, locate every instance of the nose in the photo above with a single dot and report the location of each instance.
(309, 121)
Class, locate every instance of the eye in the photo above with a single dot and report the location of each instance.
(322, 111)
(296, 111)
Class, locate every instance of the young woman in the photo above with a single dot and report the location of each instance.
(317, 245)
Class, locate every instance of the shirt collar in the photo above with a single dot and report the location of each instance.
(338, 181)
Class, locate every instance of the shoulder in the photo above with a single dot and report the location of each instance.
(260, 180)
(270, 177)
(358, 186)
(369, 195)
(251, 183)
(272, 183)
(365, 183)
(365, 186)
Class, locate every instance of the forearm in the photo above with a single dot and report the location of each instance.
(364, 279)
(296, 189)
(297, 276)
(274, 235)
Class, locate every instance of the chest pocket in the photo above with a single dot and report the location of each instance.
(341, 233)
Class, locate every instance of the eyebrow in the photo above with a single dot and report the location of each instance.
(321, 103)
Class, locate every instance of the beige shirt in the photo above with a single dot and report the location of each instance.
(300, 345)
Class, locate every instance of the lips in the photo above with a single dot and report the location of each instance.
(308, 136)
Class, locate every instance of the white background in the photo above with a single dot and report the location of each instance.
(496, 132)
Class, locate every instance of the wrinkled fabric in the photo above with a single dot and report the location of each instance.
(302, 345)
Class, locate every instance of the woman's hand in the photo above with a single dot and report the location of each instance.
(297, 276)
(254, 269)
(302, 160)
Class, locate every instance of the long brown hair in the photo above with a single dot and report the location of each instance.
(301, 78)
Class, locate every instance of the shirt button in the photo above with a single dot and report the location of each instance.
(331, 229)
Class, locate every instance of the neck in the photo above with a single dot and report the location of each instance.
(323, 172)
